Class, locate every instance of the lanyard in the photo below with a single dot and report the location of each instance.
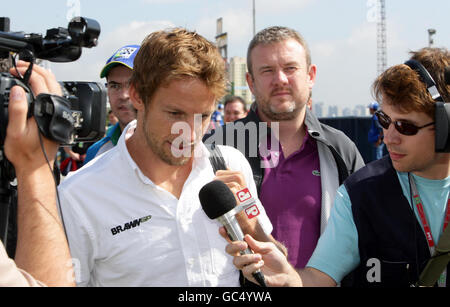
(426, 226)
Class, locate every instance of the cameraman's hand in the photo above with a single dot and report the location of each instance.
(22, 146)
(42, 248)
(41, 79)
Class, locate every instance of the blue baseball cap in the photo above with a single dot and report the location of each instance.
(374, 105)
(123, 56)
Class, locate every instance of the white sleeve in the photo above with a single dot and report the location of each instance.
(80, 236)
(11, 275)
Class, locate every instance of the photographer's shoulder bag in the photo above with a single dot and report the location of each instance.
(436, 266)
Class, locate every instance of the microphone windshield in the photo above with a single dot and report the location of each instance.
(216, 199)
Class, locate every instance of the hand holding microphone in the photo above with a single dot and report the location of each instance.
(235, 181)
(219, 203)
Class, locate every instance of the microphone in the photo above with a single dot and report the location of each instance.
(219, 204)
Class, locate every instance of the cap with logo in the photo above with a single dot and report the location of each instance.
(123, 56)
(374, 105)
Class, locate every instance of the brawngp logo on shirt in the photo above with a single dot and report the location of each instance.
(130, 225)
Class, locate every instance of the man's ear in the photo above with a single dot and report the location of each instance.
(138, 104)
(312, 75)
(249, 78)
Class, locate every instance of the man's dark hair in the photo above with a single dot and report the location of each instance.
(230, 99)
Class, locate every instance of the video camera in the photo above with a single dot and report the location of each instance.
(80, 115)
(77, 116)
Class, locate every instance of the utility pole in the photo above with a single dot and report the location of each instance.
(431, 32)
(254, 19)
(381, 37)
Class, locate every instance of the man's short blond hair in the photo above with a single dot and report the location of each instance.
(176, 54)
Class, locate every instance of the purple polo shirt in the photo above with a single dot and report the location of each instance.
(291, 195)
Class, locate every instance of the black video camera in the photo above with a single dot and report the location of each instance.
(77, 116)
(80, 115)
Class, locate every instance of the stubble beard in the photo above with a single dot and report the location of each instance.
(157, 146)
(273, 114)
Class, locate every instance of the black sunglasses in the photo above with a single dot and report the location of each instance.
(403, 127)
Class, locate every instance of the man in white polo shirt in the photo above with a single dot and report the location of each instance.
(133, 216)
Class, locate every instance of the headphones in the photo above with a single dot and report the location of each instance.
(442, 112)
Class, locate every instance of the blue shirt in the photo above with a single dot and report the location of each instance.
(375, 130)
(108, 142)
(337, 251)
(217, 117)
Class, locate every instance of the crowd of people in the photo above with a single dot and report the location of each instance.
(131, 215)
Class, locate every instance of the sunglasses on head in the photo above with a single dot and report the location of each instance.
(401, 126)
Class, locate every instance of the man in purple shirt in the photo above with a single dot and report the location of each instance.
(298, 175)
(296, 215)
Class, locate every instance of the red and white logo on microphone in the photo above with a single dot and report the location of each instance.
(252, 211)
(243, 195)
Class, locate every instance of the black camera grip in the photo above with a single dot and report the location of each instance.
(54, 118)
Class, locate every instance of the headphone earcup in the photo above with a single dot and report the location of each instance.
(442, 125)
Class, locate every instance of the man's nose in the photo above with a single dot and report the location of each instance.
(391, 135)
(124, 93)
(280, 77)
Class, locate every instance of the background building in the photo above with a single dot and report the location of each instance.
(239, 86)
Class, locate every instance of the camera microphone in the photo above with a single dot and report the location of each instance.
(219, 204)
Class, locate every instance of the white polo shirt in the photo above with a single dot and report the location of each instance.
(123, 230)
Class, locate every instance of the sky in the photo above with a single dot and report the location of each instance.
(341, 34)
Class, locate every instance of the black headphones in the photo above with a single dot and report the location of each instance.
(442, 113)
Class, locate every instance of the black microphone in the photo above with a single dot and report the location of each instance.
(218, 202)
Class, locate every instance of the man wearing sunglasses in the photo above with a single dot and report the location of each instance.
(388, 216)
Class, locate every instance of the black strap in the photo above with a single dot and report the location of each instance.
(341, 166)
(216, 158)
